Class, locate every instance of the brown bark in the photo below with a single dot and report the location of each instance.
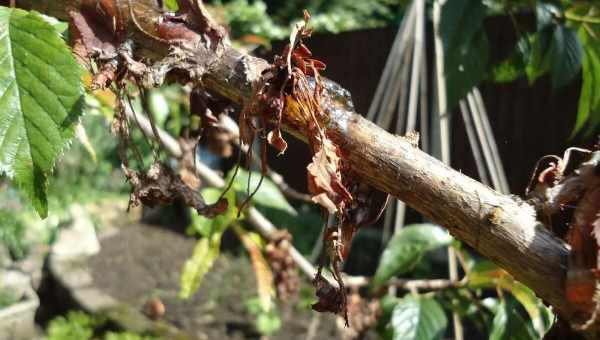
(497, 226)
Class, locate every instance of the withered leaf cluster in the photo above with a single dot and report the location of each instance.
(566, 194)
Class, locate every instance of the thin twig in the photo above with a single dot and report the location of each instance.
(230, 126)
(269, 231)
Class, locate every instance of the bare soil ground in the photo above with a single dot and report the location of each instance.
(141, 262)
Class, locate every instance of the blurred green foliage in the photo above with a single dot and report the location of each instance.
(7, 297)
(78, 325)
(271, 19)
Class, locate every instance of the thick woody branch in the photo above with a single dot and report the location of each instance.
(497, 226)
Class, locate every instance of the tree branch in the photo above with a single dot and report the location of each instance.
(497, 226)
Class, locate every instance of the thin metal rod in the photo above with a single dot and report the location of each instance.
(445, 139)
(411, 120)
(504, 188)
(424, 104)
(391, 63)
(475, 148)
(402, 96)
(387, 105)
(400, 216)
(485, 146)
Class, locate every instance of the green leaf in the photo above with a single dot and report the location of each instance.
(565, 55)
(268, 323)
(538, 60)
(510, 325)
(466, 50)
(41, 99)
(267, 196)
(534, 306)
(512, 67)
(207, 249)
(484, 274)
(205, 254)
(171, 5)
(589, 100)
(544, 14)
(407, 248)
(159, 107)
(418, 318)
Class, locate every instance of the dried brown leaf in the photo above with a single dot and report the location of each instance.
(90, 37)
(160, 186)
(274, 138)
(331, 299)
(324, 178)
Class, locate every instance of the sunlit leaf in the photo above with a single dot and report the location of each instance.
(484, 274)
(589, 100)
(262, 271)
(407, 248)
(171, 5)
(207, 250)
(532, 304)
(418, 318)
(205, 254)
(40, 101)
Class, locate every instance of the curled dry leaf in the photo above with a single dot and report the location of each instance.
(324, 178)
(566, 194)
(274, 138)
(331, 299)
(160, 186)
(195, 16)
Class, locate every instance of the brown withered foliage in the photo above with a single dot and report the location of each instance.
(285, 273)
(160, 186)
(566, 194)
(286, 87)
(291, 85)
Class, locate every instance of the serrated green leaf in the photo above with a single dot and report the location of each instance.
(267, 196)
(466, 48)
(510, 325)
(565, 55)
(41, 99)
(418, 318)
(205, 254)
(407, 248)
